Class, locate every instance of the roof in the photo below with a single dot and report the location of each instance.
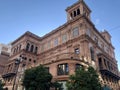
(78, 2)
(28, 33)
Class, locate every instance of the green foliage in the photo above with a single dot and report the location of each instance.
(37, 78)
(57, 86)
(84, 80)
(1, 85)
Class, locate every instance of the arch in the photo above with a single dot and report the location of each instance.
(32, 48)
(6, 88)
(19, 47)
(71, 14)
(78, 11)
(15, 50)
(27, 47)
(75, 13)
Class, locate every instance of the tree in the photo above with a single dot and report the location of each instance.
(1, 85)
(84, 80)
(38, 78)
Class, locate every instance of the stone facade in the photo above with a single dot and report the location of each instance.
(4, 56)
(77, 43)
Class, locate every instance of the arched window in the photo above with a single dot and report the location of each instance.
(75, 32)
(27, 47)
(16, 49)
(75, 13)
(100, 63)
(71, 15)
(32, 48)
(78, 11)
(19, 47)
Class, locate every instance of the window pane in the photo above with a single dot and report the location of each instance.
(77, 51)
(92, 53)
(64, 38)
(78, 66)
(75, 32)
(56, 42)
(63, 69)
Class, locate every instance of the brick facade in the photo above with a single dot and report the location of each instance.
(75, 43)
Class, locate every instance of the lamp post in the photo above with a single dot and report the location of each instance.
(17, 63)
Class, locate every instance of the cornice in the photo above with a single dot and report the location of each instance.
(28, 33)
(78, 2)
(95, 29)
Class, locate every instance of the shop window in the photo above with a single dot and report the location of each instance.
(78, 66)
(62, 69)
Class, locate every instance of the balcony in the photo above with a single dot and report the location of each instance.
(8, 74)
(108, 72)
(107, 66)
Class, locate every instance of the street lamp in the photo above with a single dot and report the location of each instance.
(17, 63)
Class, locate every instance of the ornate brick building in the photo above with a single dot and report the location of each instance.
(4, 56)
(77, 43)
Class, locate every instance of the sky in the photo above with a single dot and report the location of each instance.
(43, 16)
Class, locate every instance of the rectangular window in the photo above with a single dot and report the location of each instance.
(64, 38)
(62, 69)
(77, 51)
(75, 32)
(78, 66)
(56, 42)
(92, 53)
(88, 32)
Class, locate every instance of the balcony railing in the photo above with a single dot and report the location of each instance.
(109, 72)
(8, 74)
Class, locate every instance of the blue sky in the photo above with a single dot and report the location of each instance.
(43, 16)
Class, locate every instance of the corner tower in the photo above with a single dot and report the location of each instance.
(78, 9)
